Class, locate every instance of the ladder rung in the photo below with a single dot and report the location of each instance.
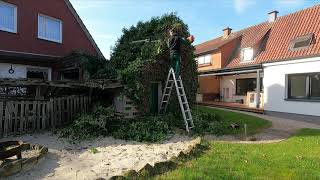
(166, 94)
(164, 101)
(185, 103)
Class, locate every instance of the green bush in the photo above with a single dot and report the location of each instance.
(209, 123)
(144, 129)
(96, 67)
(88, 126)
(105, 122)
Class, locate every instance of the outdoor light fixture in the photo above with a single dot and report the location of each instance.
(11, 70)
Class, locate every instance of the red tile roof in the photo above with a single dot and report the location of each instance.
(282, 32)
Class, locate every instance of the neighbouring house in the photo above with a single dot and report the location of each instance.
(272, 67)
(35, 36)
(43, 82)
(38, 39)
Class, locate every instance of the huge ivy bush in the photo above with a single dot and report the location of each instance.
(146, 62)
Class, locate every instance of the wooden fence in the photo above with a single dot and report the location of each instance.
(29, 116)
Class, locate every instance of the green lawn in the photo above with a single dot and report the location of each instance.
(296, 158)
(254, 124)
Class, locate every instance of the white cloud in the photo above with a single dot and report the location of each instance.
(241, 5)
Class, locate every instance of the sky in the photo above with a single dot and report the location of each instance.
(206, 19)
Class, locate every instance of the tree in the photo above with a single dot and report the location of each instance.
(146, 62)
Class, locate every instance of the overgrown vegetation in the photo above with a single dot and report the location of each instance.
(101, 122)
(106, 122)
(95, 67)
(144, 129)
(145, 62)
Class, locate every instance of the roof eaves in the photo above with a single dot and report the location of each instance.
(207, 52)
(249, 67)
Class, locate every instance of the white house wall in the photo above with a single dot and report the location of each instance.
(20, 71)
(275, 86)
(230, 82)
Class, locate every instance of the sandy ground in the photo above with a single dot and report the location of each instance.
(67, 161)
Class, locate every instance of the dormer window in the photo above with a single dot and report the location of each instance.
(301, 42)
(247, 54)
(204, 60)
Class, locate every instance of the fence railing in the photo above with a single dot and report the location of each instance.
(29, 116)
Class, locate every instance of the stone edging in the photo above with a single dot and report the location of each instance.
(165, 166)
(17, 166)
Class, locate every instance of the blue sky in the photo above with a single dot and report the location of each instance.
(206, 18)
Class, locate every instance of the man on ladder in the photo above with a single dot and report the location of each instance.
(174, 79)
(174, 44)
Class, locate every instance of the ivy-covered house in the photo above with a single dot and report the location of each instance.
(141, 55)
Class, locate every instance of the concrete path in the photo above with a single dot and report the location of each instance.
(281, 129)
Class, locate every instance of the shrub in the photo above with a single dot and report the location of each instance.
(96, 67)
(144, 129)
(92, 125)
(209, 123)
(105, 122)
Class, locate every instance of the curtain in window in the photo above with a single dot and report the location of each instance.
(41, 27)
(7, 17)
(49, 29)
(53, 29)
(315, 85)
(297, 85)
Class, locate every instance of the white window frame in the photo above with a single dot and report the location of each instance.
(49, 39)
(308, 38)
(15, 18)
(243, 54)
(209, 56)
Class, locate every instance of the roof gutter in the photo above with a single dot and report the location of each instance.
(206, 52)
(230, 71)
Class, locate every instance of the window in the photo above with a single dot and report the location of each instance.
(246, 85)
(8, 17)
(72, 74)
(247, 54)
(36, 73)
(304, 86)
(301, 42)
(49, 28)
(204, 59)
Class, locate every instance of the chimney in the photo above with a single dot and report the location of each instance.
(226, 32)
(273, 16)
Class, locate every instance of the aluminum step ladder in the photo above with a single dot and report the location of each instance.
(183, 101)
